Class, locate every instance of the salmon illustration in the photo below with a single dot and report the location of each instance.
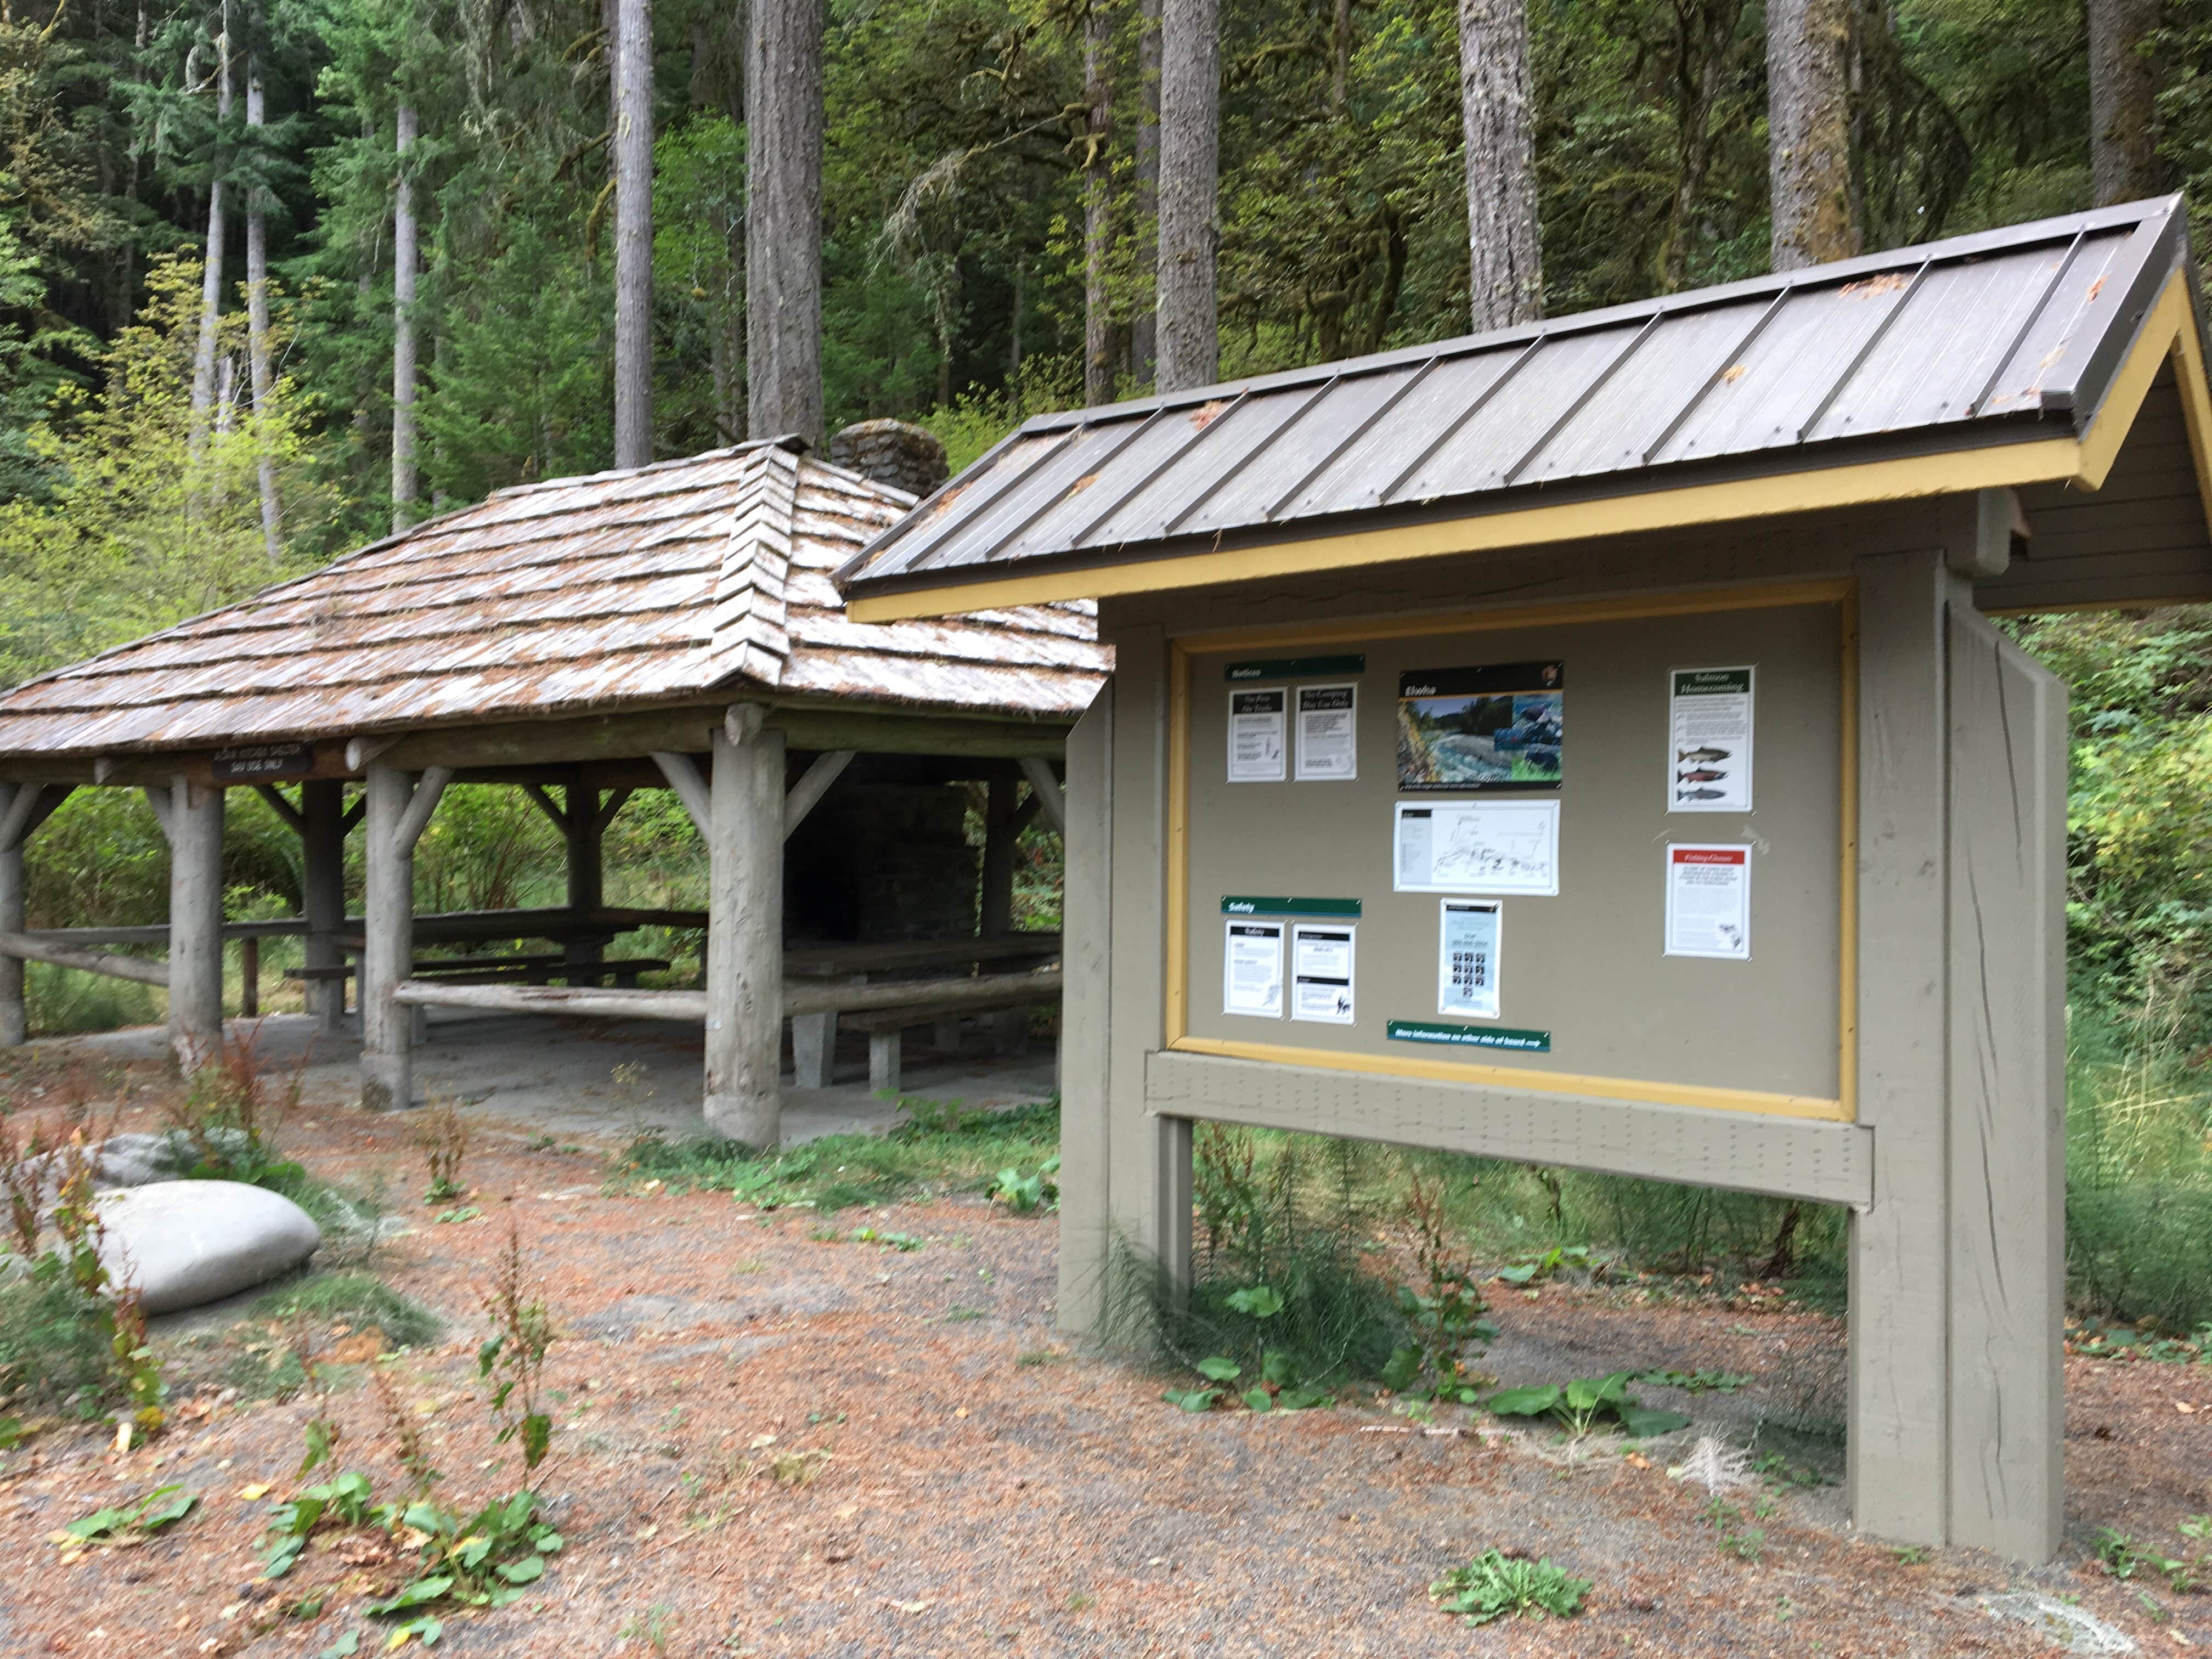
(1703, 775)
(1698, 794)
(1701, 755)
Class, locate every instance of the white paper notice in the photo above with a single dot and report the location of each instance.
(1321, 971)
(1708, 725)
(1467, 958)
(1256, 733)
(1328, 732)
(1709, 900)
(1477, 847)
(1252, 969)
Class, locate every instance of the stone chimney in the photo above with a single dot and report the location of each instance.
(894, 452)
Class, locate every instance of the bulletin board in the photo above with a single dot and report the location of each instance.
(1694, 951)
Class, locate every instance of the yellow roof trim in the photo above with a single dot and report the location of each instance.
(2168, 331)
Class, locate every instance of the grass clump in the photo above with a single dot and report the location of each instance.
(2139, 1173)
(1499, 1586)
(939, 1148)
(357, 1299)
(1280, 1288)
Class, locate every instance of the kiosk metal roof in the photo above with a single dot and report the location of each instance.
(626, 588)
(1997, 339)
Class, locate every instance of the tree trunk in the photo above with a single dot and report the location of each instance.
(633, 142)
(404, 260)
(211, 271)
(783, 219)
(1189, 339)
(256, 314)
(1145, 200)
(1809, 160)
(1339, 68)
(2122, 100)
(1505, 260)
(1097, 216)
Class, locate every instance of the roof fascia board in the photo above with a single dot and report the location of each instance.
(2105, 323)
(2042, 461)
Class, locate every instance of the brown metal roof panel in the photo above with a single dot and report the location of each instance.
(1935, 354)
(1224, 435)
(2056, 340)
(1269, 482)
(1361, 464)
(1784, 375)
(954, 510)
(1484, 449)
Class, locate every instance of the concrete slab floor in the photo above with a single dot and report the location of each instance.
(596, 1079)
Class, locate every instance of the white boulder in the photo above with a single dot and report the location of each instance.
(184, 1242)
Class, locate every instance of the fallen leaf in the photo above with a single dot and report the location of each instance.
(961, 1410)
(258, 1489)
(908, 1606)
(1636, 1460)
(2184, 1408)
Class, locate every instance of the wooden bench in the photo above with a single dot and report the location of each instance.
(537, 969)
(886, 1028)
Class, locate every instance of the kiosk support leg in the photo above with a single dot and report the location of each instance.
(1956, 1411)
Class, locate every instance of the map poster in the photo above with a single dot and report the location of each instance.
(1467, 957)
(1709, 900)
(1500, 727)
(1259, 727)
(1252, 969)
(1477, 847)
(1709, 740)
(1321, 971)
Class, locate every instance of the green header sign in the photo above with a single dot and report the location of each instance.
(1294, 668)
(1467, 1036)
(1712, 682)
(1237, 904)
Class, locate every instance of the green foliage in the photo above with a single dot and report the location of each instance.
(1733, 1532)
(54, 1341)
(1695, 1382)
(2139, 1175)
(513, 1357)
(356, 1299)
(1498, 1586)
(1280, 1387)
(838, 1171)
(140, 1516)
(1444, 1310)
(1578, 1405)
(1024, 1194)
(2191, 1569)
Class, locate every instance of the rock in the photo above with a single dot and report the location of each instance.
(894, 452)
(184, 1243)
(133, 1160)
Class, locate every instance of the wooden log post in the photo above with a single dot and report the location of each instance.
(322, 897)
(744, 930)
(398, 811)
(581, 829)
(193, 822)
(14, 1019)
(23, 808)
(1003, 820)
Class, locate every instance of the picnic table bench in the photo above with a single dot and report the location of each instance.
(814, 1035)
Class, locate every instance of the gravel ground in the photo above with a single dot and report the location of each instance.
(988, 1488)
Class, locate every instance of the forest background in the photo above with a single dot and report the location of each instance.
(986, 252)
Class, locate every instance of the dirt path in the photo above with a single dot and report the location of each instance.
(987, 1490)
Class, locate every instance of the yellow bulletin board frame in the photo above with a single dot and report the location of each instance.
(1840, 592)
